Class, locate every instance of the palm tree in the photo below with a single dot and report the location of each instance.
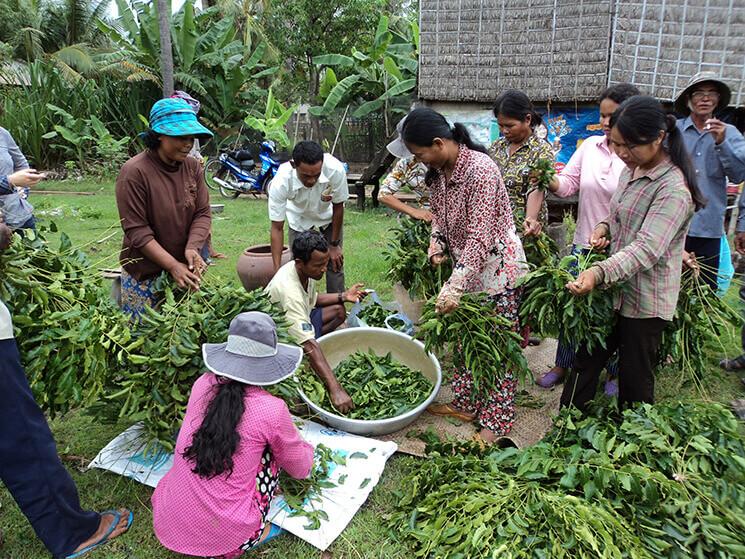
(166, 52)
(63, 31)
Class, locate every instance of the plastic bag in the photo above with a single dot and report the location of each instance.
(354, 321)
(726, 270)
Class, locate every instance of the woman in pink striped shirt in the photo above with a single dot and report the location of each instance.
(234, 440)
(593, 171)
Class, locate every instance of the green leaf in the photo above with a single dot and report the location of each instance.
(328, 83)
(340, 92)
(367, 108)
(392, 68)
(333, 60)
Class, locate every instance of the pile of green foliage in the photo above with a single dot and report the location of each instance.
(68, 330)
(408, 261)
(667, 481)
(374, 315)
(379, 386)
(479, 339)
(700, 321)
(551, 310)
(152, 385)
(80, 350)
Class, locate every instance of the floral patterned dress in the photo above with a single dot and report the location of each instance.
(473, 224)
(515, 171)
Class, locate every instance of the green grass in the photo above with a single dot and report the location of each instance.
(88, 220)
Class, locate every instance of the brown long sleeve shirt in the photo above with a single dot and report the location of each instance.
(169, 204)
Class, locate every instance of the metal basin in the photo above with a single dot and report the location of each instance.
(339, 345)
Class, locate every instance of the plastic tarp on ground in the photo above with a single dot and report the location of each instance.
(366, 459)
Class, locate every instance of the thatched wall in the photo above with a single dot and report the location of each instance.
(471, 50)
(569, 50)
(659, 44)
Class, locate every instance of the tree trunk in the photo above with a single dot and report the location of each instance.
(313, 86)
(166, 52)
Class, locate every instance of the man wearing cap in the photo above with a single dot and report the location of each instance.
(164, 207)
(309, 313)
(309, 192)
(406, 172)
(717, 151)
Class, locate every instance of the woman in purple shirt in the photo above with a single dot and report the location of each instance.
(593, 171)
(234, 440)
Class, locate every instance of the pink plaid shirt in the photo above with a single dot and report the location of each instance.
(648, 220)
(208, 517)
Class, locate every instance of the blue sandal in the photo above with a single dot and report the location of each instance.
(105, 538)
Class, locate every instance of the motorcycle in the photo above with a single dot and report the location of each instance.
(234, 172)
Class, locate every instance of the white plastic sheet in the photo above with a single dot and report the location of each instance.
(124, 455)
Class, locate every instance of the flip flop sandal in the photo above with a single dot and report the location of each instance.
(274, 531)
(736, 364)
(549, 379)
(446, 410)
(105, 538)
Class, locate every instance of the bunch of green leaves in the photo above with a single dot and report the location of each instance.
(544, 171)
(700, 321)
(68, 329)
(540, 250)
(374, 314)
(397, 324)
(302, 494)
(379, 386)
(408, 262)
(667, 481)
(156, 381)
(480, 340)
(551, 310)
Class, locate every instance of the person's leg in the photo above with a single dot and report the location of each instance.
(707, 255)
(334, 280)
(638, 343)
(327, 319)
(582, 383)
(30, 467)
(291, 234)
(738, 363)
(562, 363)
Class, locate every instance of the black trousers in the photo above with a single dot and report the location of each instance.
(707, 253)
(30, 467)
(637, 341)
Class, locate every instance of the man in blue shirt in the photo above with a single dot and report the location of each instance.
(717, 151)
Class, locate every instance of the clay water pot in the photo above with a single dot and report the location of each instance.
(255, 268)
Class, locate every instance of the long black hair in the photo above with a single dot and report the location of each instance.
(216, 440)
(618, 93)
(423, 125)
(513, 103)
(640, 119)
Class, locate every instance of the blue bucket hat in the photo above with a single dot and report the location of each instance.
(175, 117)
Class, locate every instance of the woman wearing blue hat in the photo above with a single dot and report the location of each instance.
(164, 206)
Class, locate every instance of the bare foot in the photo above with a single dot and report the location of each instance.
(103, 527)
(489, 437)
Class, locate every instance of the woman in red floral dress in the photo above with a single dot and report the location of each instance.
(473, 225)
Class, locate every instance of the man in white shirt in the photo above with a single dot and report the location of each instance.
(309, 313)
(30, 467)
(309, 192)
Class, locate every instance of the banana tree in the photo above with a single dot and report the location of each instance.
(271, 124)
(210, 60)
(381, 78)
